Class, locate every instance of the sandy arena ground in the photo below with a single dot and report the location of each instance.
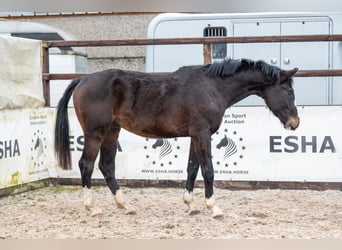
(58, 213)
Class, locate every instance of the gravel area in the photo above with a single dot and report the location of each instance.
(57, 212)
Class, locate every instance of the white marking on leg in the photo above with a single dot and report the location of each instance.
(211, 204)
(88, 199)
(122, 203)
(188, 199)
(89, 203)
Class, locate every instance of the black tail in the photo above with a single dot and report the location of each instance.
(62, 139)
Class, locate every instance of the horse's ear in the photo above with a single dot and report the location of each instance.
(285, 74)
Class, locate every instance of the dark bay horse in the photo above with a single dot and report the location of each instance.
(188, 102)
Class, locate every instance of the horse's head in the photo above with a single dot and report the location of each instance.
(264, 80)
(279, 97)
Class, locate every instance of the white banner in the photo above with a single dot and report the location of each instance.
(251, 144)
(25, 145)
(266, 151)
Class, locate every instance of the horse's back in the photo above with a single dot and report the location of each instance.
(150, 105)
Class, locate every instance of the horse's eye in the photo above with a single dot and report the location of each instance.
(290, 92)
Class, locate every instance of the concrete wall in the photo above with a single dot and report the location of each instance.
(104, 27)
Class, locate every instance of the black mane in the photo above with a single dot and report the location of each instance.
(228, 67)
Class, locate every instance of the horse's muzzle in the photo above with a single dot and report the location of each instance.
(292, 123)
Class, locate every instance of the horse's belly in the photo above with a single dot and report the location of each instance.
(152, 129)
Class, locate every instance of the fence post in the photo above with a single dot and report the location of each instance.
(45, 69)
(207, 53)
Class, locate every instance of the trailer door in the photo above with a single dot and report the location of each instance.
(308, 56)
(304, 55)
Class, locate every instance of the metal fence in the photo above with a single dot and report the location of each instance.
(206, 41)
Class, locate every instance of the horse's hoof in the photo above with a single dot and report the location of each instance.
(130, 210)
(96, 213)
(218, 216)
(217, 213)
(193, 209)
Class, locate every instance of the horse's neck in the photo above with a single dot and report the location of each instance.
(239, 87)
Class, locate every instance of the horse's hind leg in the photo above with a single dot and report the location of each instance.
(107, 167)
(86, 165)
(193, 166)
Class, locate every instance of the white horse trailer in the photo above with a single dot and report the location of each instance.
(304, 55)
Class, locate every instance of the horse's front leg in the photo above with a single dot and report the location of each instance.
(107, 167)
(192, 171)
(202, 147)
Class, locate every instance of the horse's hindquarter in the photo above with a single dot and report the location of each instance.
(93, 100)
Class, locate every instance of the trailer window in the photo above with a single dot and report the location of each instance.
(218, 50)
(44, 36)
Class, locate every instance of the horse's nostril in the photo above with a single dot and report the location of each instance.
(292, 123)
